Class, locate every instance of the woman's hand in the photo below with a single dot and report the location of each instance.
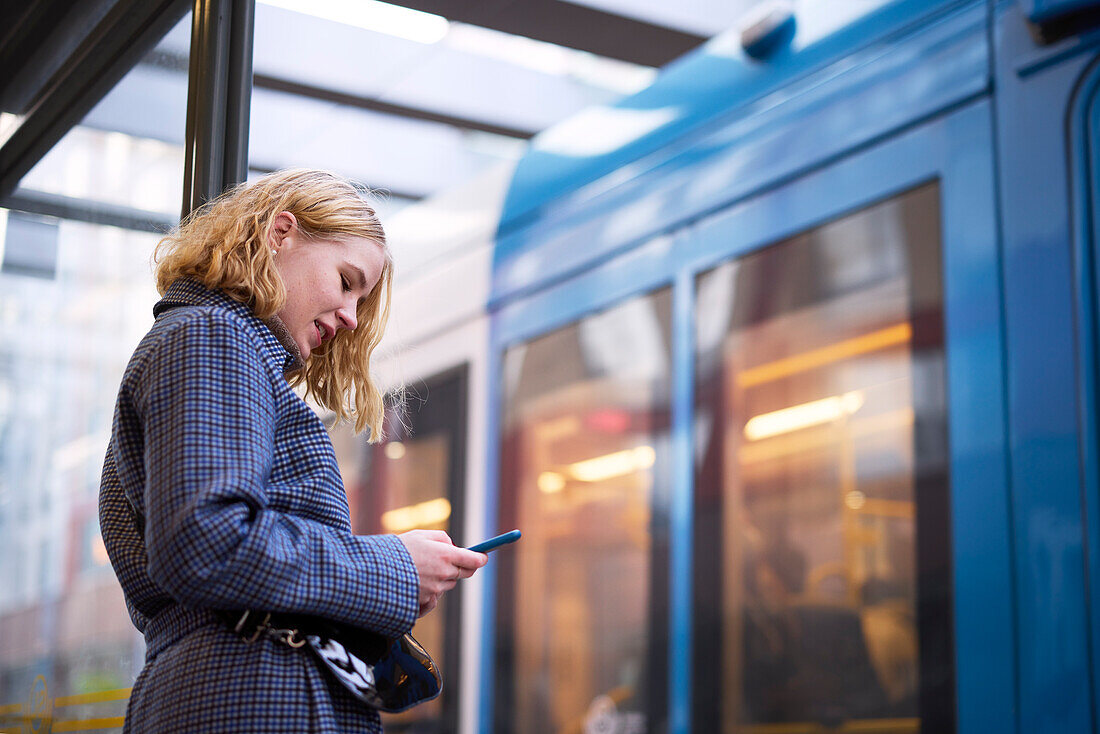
(440, 564)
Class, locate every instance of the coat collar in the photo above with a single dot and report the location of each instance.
(278, 345)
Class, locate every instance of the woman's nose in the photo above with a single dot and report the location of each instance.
(345, 318)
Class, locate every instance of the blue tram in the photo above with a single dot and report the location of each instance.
(786, 368)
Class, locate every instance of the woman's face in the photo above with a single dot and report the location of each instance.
(325, 279)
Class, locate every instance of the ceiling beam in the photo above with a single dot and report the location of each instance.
(87, 210)
(176, 62)
(385, 191)
(566, 24)
(36, 38)
(262, 81)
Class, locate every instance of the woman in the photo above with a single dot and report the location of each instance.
(220, 489)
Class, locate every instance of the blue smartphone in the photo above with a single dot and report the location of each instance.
(492, 543)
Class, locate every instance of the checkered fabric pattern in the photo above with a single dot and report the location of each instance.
(243, 507)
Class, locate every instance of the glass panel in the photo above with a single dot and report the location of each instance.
(584, 475)
(127, 153)
(75, 299)
(820, 404)
(414, 480)
(443, 102)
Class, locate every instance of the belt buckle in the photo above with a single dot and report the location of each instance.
(260, 628)
(240, 622)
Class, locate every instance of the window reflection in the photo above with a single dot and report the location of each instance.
(820, 402)
(412, 486)
(62, 340)
(584, 475)
(75, 299)
(109, 167)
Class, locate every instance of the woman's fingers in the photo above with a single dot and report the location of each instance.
(468, 559)
(439, 564)
(437, 535)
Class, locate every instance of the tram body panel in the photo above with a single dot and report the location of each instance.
(691, 93)
(1036, 89)
(853, 101)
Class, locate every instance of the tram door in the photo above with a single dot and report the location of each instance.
(585, 440)
(1048, 107)
(851, 562)
(415, 479)
(821, 403)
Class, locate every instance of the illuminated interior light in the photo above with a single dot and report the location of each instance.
(889, 337)
(608, 420)
(551, 482)
(855, 499)
(888, 426)
(809, 414)
(371, 15)
(395, 450)
(419, 515)
(614, 465)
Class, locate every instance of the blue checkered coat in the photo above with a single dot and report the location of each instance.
(237, 483)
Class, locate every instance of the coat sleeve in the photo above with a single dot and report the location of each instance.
(212, 539)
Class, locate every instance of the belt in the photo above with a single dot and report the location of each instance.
(293, 630)
(251, 626)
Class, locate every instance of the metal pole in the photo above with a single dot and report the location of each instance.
(239, 87)
(218, 99)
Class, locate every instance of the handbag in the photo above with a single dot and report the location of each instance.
(388, 674)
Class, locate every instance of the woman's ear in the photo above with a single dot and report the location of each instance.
(284, 225)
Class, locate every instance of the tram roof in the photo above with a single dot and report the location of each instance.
(573, 159)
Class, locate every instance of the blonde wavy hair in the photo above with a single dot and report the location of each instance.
(224, 246)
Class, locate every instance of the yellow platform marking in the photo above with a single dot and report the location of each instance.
(855, 726)
(119, 694)
(113, 722)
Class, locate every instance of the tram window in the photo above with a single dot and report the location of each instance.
(414, 479)
(821, 554)
(584, 473)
